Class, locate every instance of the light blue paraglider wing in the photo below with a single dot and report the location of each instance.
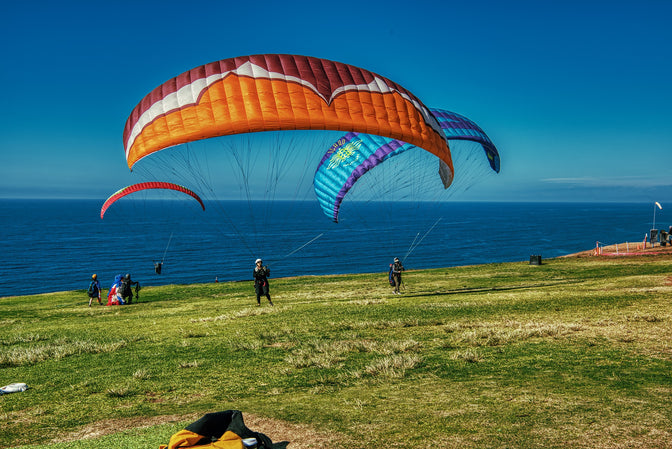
(354, 154)
(346, 161)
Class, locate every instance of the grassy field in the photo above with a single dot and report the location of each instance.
(574, 353)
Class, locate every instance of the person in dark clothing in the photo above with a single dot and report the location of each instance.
(125, 288)
(261, 287)
(397, 268)
(94, 290)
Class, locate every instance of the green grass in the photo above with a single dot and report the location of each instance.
(575, 353)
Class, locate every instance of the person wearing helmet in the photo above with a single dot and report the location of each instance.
(397, 268)
(125, 289)
(94, 290)
(261, 287)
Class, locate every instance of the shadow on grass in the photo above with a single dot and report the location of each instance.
(488, 289)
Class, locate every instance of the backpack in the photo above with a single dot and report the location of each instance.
(390, 278)
(92, 289)
(124, 288)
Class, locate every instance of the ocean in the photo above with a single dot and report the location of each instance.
(56, 245)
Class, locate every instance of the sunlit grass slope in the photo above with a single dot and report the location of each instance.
(576, 353)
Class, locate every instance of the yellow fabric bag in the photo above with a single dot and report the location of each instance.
(186, 439)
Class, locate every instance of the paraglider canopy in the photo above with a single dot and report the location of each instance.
(144, 186)
(355, 154)
(275, 92)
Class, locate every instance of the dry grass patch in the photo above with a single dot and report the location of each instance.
(245, 344)
(378, 325)
(611, 434)
(467, 355)
(453, 305)
(636, 317)
(17, 339)
(141, 374)
(120, 392)
(326, 354)
(193, 364)
(257, 311)
(394, 366)
(507, 332)
(367, 302)
(248, 311)
(645, 332)
(210, 318)
(56, 351)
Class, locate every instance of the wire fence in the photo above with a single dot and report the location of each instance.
(604, 249)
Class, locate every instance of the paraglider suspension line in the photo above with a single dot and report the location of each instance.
(304, 245)
(298, 249)
(414, 244)
(166, 250)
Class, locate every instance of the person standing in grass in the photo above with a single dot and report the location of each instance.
(125, 288)
(94, 290)
(397, 268)
(261, 274)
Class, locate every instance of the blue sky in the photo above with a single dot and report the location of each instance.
(575, 94)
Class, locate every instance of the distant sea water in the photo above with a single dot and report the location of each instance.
(55, 245)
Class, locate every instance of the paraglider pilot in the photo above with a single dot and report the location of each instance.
(261, 274)
(125, 288)
(397, 268)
